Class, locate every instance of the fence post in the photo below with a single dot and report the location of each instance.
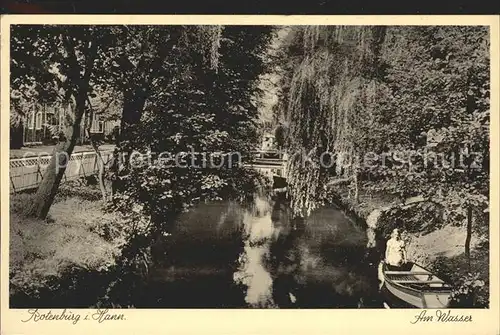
(41, 175)
(13, 186)
(95, 163)
(81, 165)
(37, 168)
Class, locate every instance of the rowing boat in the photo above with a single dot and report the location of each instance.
(417, 287)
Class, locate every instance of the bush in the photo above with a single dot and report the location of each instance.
(470, 287)
(470, 291)
(422, 218)
(84, 188)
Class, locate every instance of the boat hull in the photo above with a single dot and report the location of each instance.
(405, 299)
(401, 295)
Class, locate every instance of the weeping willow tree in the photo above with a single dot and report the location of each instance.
(415, 97)
(210, 39)
(326, 101)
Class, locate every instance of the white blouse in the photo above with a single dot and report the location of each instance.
(395, 252)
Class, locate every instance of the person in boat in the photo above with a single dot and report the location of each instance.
(395, 253)
(405, 236)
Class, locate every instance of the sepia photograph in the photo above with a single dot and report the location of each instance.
(249, 167)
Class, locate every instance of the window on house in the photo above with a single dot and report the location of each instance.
(31, 120)
(38, 120)
(50, 116)
(100, 127)
(93, 124)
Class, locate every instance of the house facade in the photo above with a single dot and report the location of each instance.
(268, 142)
(44, 122)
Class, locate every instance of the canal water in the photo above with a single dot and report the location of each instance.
(223, 255)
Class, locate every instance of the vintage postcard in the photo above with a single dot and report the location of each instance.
(249, 174)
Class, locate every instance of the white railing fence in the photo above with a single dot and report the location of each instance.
(27, 173)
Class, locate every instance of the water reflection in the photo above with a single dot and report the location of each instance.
(258, 233)
(224, 255)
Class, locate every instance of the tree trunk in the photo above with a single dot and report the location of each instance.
(94, 145)
(16, 136)
(114, 168)
(137, 94)
(469, 235)
(85, 125)
(133, 106)
(100, 175)
(47, 190)
(102, 186)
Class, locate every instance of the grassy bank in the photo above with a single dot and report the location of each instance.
(48, 257)
(439, 247)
